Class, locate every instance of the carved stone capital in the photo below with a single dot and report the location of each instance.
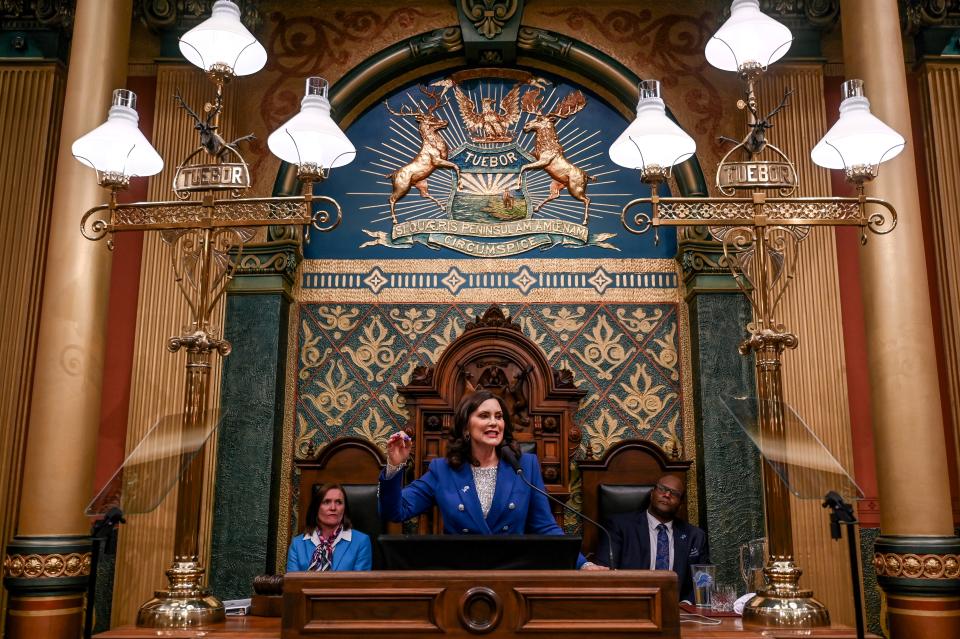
(163, 15)
(18, 15)
(705, 267)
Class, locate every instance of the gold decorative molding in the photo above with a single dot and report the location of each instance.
(914, 566)
(52, 566)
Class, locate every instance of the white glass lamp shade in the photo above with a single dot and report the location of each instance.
(859, 138)
(117, 146)
(311, 137)
(222, 39)
(652, 139)
(747, 38)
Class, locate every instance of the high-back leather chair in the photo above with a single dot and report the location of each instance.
(355, 464)
(621, 481)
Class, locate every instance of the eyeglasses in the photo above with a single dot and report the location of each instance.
(670, 491)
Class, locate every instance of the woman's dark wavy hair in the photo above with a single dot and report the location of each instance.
(314, 508)
(458, 449)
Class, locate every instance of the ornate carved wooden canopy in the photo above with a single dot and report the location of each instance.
(493, 353)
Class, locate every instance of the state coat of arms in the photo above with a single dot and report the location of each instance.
(489, 166)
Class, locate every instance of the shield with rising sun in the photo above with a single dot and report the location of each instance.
(490, 190)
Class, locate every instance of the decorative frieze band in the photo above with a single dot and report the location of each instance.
(914, 566)
(49, 566)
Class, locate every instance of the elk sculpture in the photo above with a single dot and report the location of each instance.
(549, 152)
(210, 140)
(756, 139)
(432, 153)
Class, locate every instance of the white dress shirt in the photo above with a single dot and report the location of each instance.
(653, 523)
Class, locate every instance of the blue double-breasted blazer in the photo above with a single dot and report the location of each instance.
(354, 553)
(516, 509)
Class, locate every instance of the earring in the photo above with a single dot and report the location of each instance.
(466, 437)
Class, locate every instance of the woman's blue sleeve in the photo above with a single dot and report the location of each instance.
(364, 555)
(400, 504)
(292, 564)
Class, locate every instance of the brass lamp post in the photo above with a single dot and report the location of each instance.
(761, 234)
(201, 234)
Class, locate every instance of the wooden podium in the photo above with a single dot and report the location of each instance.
(546, 603)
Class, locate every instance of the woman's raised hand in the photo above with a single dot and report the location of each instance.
(398, 448)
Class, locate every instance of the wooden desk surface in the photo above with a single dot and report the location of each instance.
(232, 628)
(269, 628)
(732, 628)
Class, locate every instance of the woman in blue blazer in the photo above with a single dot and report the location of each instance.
(476, 491)
(328, 541)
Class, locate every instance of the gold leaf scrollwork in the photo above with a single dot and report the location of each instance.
(413, 322)
(442, 339)
(643, 400)
(604, 432)
(310, 356)
(667, 357)
(671, 444)
(338, 319)
(305, 434)
(374, 350)
(603, 351)
(375, 429)
(538, 338)
(638, 321)
(334, 398)
(565, 320)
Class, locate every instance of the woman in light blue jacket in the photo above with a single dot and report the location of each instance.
(328, 541)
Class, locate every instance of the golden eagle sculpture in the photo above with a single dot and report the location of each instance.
(490, 124)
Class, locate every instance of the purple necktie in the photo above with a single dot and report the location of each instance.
(663, 548)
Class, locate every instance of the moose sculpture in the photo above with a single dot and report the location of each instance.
(549, 152)
(432, 153)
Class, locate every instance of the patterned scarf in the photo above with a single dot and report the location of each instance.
(322, 558)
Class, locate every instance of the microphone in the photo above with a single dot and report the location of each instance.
(507, 454)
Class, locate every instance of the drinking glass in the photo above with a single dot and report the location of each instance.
(723, 598)
(704, 578)
(753, 556)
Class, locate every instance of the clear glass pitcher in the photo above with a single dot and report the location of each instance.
(753, 557)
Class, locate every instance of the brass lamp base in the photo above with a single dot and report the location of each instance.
(783, 604)
(187, 604)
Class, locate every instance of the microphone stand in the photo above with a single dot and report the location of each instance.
(104, 537)
(842, 513)
(511, 459)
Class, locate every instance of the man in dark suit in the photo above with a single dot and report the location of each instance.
(655, 539)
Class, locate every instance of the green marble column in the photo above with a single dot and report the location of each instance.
(728, 465)
(248, 456)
